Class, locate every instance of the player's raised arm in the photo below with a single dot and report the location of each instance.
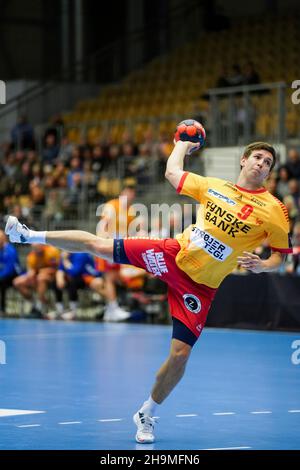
(174, 170)
(189, 137)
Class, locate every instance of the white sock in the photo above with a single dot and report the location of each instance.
(73, 305)
(113, 305)
(37, 237)
(148, 407)
(59, 307)
(39, 305)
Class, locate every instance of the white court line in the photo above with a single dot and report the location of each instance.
(224, 414)
(228, 448)
(260, 412)
(4, 412)
(71, 422)
(28, 426)
(110, 420)
(186, 416)
(293, 411)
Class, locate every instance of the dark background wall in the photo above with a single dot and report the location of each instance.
(29, 38)
(34, 45)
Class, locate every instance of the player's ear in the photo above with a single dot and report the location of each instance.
(243, 160)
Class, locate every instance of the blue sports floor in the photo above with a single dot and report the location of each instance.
(241, 389)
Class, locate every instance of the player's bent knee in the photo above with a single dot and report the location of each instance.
(180, 355)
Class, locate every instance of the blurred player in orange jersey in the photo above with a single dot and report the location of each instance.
(232, 220)
(42, 263)
(114, 221)
(293, 261)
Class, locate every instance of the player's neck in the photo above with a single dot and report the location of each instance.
(246, 183)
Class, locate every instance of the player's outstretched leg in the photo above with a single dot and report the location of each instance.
(74, 241)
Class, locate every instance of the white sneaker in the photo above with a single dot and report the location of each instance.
(116, 314)
(68, 315)
(52, 315)
(17, 232)
(145, 428)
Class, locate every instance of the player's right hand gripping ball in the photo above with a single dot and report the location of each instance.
(192, 131)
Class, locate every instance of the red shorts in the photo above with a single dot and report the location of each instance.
(189, 301)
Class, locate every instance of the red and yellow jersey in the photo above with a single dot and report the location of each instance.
(230, 220)
(49, 258)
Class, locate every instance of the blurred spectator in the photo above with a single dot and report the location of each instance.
(76, 271)
(128, 158)
(42, 263)
(164, 150)
(112, 169)
(9, 268)
(65, 150)
(54, 208)
(293, 261)
(37, 173)
(5, 186)
(282, 182)
(140, 166)
(90, 179)
(9, 165)
(37, 193)
(222, 80)
(22, 212)
(75, 171)
(114, 222)
(294, 192)
(271, 186)
(74, 193)
(50, 150)
(22, 178)
(293, 163)
(32, 157)
(56, 128)
(22, 135)
(127, 139)
(59, 171)
(99, 161)
(292, 209)
(87, 154)
(235, 77)
(244, 116)
(250, 75)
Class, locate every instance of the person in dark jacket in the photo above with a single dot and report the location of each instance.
(9, 268)
(75, 271)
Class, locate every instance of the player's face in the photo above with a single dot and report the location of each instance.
(258, 165)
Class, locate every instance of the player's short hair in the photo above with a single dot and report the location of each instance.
(261, 146)
(129, 186)
(129, 183)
